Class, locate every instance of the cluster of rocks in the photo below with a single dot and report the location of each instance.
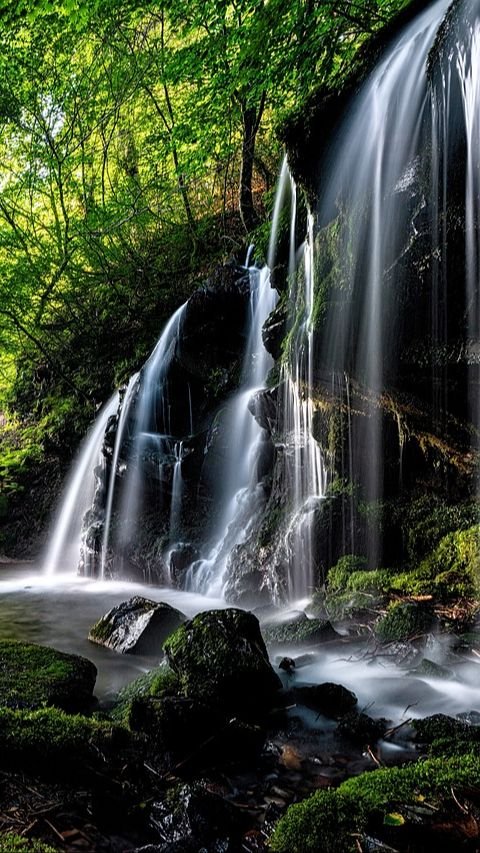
(215, 740)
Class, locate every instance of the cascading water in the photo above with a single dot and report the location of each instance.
(356, 334)
(65, 539)
(388, 186)
(306, 473)
(148, 420)
(242, 492)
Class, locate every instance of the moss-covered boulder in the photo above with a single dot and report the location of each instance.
(332, 700)
(54, 743)
(137, 626)
(334, 821)
(220, 658)
(33, 676)
(405, 620)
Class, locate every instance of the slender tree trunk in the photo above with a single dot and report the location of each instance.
(250, 120)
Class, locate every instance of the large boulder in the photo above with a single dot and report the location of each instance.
(220, 657)
(137, 626)
(33, 676)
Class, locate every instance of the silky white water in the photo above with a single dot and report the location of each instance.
(242, 495)
(65, 538)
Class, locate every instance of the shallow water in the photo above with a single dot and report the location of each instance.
(59, 610)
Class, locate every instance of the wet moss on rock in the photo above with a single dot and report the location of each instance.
(331, 820)
(405, 620)
(33, 676)
(220, 658)
(51, 742)
(160, 682)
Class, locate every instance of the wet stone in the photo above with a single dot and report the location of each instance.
(137, 626)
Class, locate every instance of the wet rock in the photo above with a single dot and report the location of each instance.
(406, 620)
(193, 816)
(362, 729)
(180, 558)
(331, 700)
(137, 626)
(287, 665)
(440, 727)
(220, 658)
(299, 630)
(429, 669)
(33, 676)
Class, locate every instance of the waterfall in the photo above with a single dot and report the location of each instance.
(305, 474)
(65, 539)
(106, 483)
(242, 495)
(384, 184)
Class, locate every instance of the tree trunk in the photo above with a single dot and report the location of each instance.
(250, 121)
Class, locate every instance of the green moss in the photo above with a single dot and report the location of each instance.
(52, 741)
(33, 676)
(329, 820)
(404, 620)
(343, 605)
(303, 631)
(158, 683)
(425, 521)
(12, 843)
(339, 575)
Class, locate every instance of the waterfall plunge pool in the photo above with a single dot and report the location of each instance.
(59, 610)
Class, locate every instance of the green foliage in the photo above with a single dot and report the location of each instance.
(329, 820)
(339, 575)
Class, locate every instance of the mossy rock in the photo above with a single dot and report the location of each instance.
(332, 821)
(303, 631)
(405, 620)
(137, 626)
(441, 726)
(34, 676)
(12, 843)
(51, 742)
(158, 683)
(429, 669)
(220, 658)
(338, 576)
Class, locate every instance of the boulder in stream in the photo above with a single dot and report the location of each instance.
(137, 626)
(220, 657)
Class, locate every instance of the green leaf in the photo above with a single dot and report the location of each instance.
(393, 819)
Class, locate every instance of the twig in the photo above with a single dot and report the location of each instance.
(54, 829)
(374, 757)
(462, 808)
(391, 732)
(412, 705)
